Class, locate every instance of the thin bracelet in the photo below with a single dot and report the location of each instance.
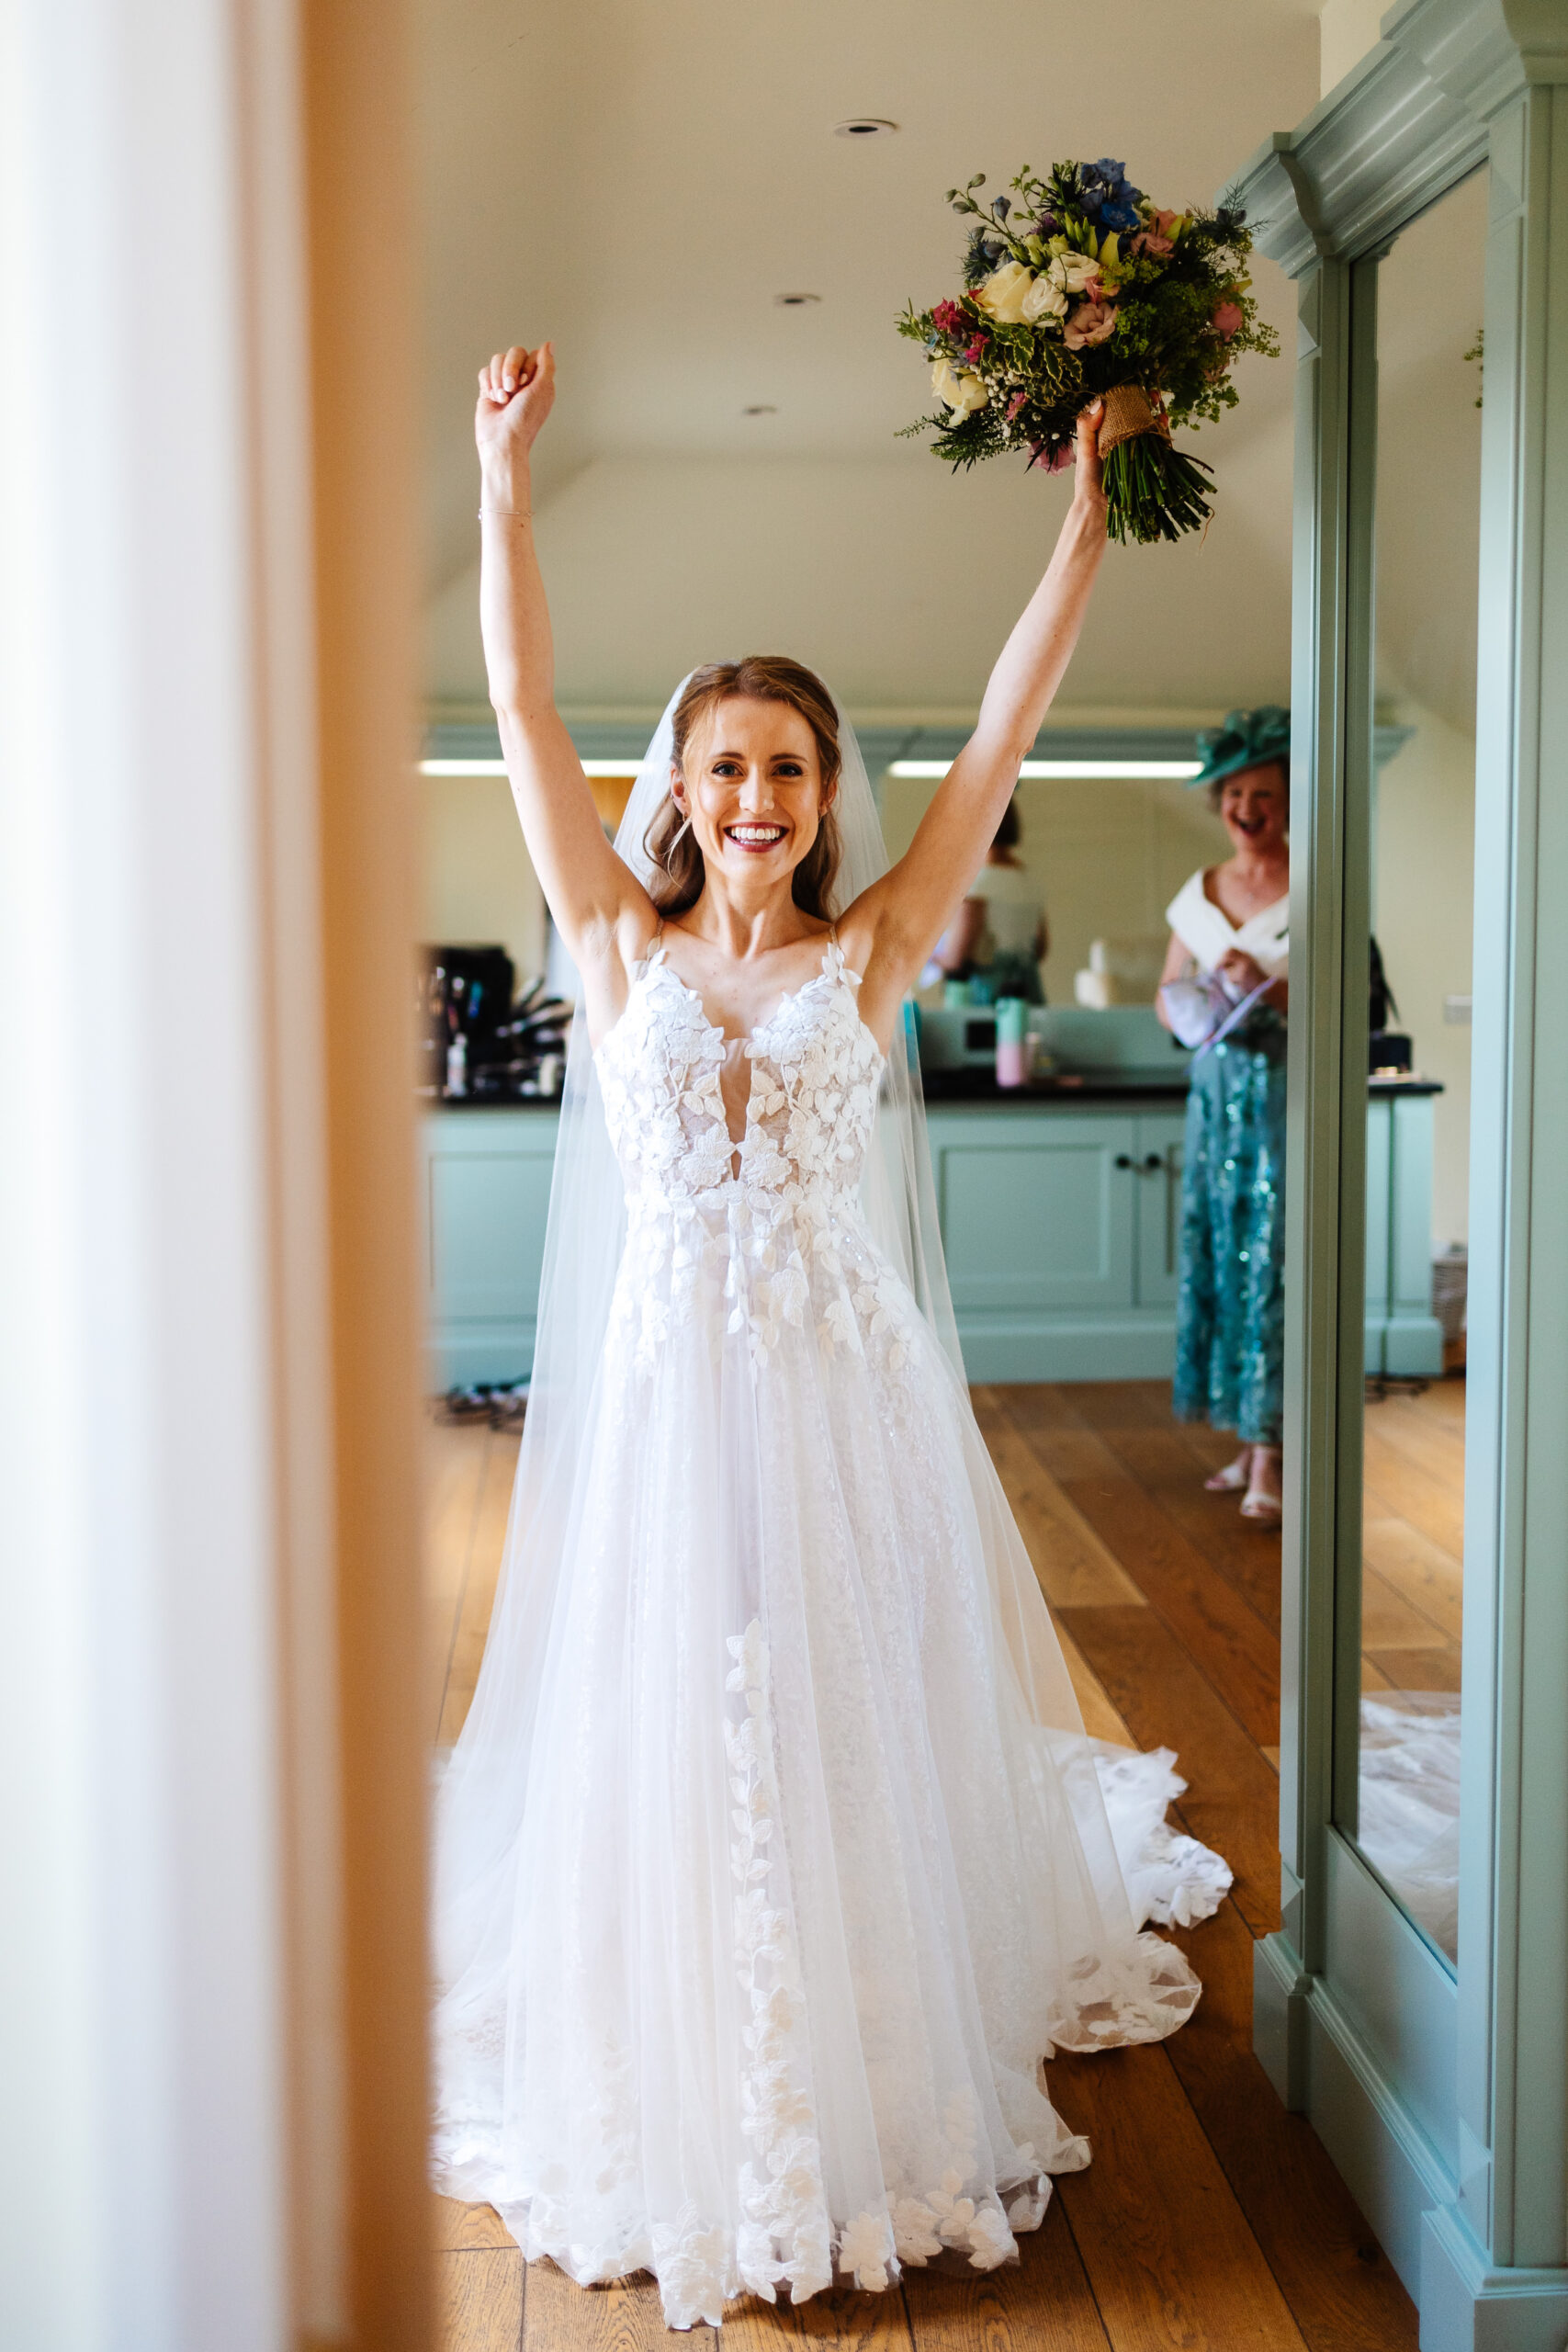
(511, 514)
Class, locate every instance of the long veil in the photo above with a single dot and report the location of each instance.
(585, 1241)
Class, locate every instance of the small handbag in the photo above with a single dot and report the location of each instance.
(1202, 1012)
(1194, 1007)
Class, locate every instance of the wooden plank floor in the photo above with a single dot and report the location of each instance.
(1413, 1540)
(1210, 2220)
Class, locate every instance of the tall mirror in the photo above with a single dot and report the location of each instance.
(1397, 1783)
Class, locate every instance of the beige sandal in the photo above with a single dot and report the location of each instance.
(1228, 1481)
(1267, 1511)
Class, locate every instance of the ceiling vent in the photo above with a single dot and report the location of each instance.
(794, 302)
(864, 126)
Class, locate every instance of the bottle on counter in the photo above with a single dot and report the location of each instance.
(1011, 1015)
(458, 1067)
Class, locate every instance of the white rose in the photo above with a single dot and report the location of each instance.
(962, 394)
(1046, 299)
(1004, 292)
(1073, 272)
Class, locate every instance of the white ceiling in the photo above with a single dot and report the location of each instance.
(640, 184)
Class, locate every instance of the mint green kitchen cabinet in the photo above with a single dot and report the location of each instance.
(1159, 1195)
(1061, 1222)
(486, 1197)
(1404, 1340)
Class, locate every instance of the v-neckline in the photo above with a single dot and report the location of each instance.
(658, 958)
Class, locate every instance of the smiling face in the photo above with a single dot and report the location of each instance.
(751, 784)
(1256, 807)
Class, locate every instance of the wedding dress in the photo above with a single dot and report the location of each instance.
(773, 1857)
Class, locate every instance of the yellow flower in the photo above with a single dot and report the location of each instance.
(962, 394)
(1003, 293)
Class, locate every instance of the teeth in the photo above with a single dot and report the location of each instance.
(756, 832)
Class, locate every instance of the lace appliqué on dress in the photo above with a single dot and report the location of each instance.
(774, 1219)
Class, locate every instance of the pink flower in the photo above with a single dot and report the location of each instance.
(947, 318)
(1163, 222)
(1226, 319)
(1054, 459)
(974, 350)
(1091, 322)
(1149, 245)
(1016, 403)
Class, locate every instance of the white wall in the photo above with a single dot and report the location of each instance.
(1428, 505)
(478, 887)
(1426, 857)
(1347, 29)
(1110, 856)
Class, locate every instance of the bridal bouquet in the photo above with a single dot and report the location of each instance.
(1076, 288)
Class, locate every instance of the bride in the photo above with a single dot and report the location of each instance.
(773, 1857)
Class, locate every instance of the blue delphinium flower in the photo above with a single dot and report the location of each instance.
(1108, 196)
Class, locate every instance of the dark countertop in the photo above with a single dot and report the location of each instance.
(978, 1089)
(978, 1085)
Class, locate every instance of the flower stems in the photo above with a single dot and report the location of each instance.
(1155, 492)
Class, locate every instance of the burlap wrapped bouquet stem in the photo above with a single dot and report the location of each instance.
(1129, 414)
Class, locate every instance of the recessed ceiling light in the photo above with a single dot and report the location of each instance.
(759, 408)
(794, 301)
(864, 126)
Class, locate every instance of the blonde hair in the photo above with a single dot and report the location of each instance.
(679, 872)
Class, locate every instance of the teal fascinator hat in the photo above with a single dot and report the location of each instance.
(1249, 739)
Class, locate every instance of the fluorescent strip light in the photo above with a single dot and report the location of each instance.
(498, 767)
(1060, 770)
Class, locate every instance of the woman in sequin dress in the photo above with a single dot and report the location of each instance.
(1234, 920)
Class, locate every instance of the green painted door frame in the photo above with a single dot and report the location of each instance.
(1444, 2100)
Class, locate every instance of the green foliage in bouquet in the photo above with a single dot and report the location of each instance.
(1076, 288)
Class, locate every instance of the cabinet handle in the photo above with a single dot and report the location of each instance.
(1154, 1159)
(1122, 1159)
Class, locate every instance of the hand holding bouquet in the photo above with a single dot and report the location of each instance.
(1081, 290)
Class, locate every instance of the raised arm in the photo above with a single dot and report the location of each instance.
(597, 904)
(903, 916)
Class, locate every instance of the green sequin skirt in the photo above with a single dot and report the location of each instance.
(1230, 1316)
